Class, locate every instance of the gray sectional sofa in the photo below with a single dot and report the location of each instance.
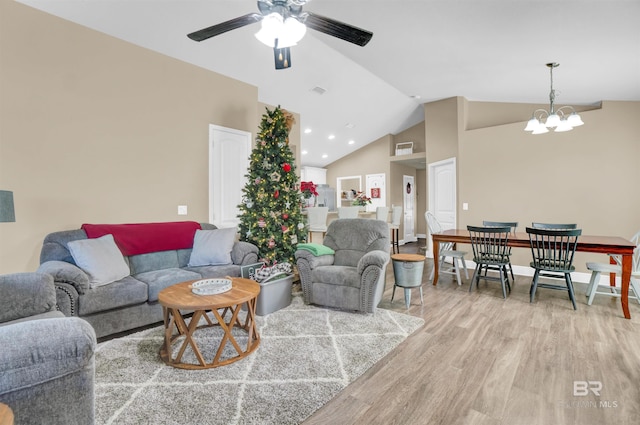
(47, 360)
(131, 301)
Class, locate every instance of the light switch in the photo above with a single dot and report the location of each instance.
(182, 210)
(465, 206)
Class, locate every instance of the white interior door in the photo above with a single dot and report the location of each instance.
(375, 189)
(409, 202)
(229, 152)
(442, 194)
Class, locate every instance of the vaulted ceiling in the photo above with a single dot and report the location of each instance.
(421, 51)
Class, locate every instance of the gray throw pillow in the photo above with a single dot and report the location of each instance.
(212, 247)
(100, 258)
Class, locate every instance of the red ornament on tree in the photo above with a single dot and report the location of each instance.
(286, 167)
(276, 194)
(285, 216)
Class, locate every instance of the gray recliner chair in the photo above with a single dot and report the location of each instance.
(47, 363)
(353, 277)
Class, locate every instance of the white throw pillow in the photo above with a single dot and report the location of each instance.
(212, 247)
(100, 258)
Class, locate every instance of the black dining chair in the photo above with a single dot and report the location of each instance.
(561, 226)
(490, 249)
(552, 251)
(513, 225)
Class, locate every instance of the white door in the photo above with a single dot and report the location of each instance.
(229, 152)
(409, 202)
(442, 193)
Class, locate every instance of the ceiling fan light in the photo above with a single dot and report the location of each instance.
(575, 120)
(270, 29)
(294, 29)
(532, 124)
(563, 125)
(552, 120)
(540, 129)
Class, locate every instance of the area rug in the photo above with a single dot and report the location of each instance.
(306, 356)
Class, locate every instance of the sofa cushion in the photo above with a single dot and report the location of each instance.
(47, 315)
(157, 280)
(25, 295)
(127, 291)
(100, 258)
(351, 238)
(210, 272)
(212, 247)
(154, 261)
(336, 275)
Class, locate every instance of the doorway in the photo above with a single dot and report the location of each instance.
(442, 194)
(409, 202)
(229, 152)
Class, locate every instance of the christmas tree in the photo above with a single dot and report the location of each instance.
(270, 215)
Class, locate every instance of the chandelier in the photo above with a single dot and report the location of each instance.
(562, 119)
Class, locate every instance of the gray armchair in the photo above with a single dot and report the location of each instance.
(352, 278)
(46, 360)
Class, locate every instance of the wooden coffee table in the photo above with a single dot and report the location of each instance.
(178, 299)
(6, 415)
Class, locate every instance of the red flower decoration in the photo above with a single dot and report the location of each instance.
(286, 167)
(308, 189)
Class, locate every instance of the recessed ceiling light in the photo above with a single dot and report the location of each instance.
(415, 96)
(349, 125)
(332, 136)
(324, 155)
(307, 130)
(304, 152)
(351, 142)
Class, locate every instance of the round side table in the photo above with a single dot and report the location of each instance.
(407, 270)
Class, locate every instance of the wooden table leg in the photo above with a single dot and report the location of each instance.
(188, 335)
(250, 324)
(227, 328)
(436, 262)
(612, 276)
(627, 261)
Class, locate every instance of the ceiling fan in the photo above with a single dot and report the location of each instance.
(283, 25)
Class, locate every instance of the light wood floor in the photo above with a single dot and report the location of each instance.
(481, 359)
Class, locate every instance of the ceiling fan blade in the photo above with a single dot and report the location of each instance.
(223, 27)
(335, 28)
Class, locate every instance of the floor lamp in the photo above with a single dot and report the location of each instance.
(7, 212)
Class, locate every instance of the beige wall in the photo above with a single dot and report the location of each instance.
(93, 129)
(415, 134)
(374, 158)
(370, 159)
(588, 175)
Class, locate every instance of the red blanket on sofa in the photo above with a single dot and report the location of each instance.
(142, 238)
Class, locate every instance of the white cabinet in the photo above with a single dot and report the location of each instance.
(314, 174)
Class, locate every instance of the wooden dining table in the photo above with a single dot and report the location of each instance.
(612, 245)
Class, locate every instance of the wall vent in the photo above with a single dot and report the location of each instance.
(319, 90)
